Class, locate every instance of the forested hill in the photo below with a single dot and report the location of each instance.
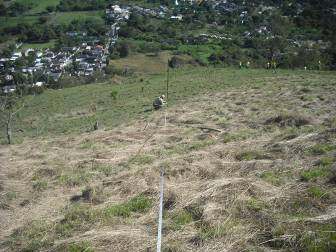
(296, 34)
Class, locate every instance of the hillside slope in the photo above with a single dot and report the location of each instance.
(249, 167)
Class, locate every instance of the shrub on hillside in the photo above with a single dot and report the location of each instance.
(113, 70)
(124, 50)
(176, 62)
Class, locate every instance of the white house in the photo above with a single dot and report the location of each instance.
(38, 84)
(9, 89)
(178, 17)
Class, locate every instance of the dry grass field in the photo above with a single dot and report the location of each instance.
(146, 63)
(248, 168)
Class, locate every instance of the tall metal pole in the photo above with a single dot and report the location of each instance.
(160, 211)
(167, 94)
(167, 80)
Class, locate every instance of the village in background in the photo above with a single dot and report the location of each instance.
(213, 33)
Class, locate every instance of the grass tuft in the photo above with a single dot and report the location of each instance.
(40, 185)
(320, 149)
(271, 177)
(106, 169)
(214, 231)
(77, 218)
(75, 179)
(142, 160)
(317, 193)
(236, 136)
(139, 204)
(255, 204)
(314, 174)
(326, 161)
(181, 219)
(32, 237)
(79, 247)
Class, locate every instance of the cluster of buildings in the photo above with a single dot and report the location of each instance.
(82, 60)
(159, 12)
(116, 13)
(225, 6)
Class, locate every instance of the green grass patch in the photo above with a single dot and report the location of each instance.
(318, 193)
(236, 136)
(276, 178)
(326, 161)
(200, 52)
(314, 174)
(10, 195)
(214, 231)
(332, 122)
(310, 238)
(141, 159)
(50, 44)
(255, 204)
(13, 21)
(307, 98)
(106, 169)
(75, 178)
(80, 247)
(139, 204)
(181, 219)
(198, 145)
(271, 177)
(39, 6)
(32, 237)
(222, 121)
(76, 218)
(320, 149)
(88, 144)
(321, 240)
(40, 235)
(68, 17)
(40, 185)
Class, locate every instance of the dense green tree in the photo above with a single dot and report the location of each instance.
(124, 50)
(18, 8)
(51, 8)
(10, 105)
(3, 9)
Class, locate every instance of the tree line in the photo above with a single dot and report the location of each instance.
(42, 32)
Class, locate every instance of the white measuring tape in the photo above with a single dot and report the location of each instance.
(159, 235)
(160, 211)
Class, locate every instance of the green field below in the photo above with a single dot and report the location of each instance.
(49, 44)
(13, 21)
(40, 5)
(54, 18)
(70, 110)
(201, 52)
(67, 17)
